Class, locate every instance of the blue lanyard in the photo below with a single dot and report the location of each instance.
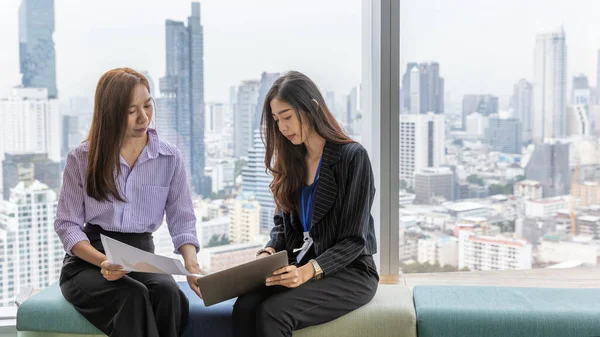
(305, 211)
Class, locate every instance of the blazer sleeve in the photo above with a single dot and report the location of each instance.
(277, 241)
(355, 217)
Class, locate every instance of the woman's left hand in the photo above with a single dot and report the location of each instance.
(194, 268)
(291, 276)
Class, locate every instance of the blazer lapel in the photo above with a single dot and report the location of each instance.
(327, 188)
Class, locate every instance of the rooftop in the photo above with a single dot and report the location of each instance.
(464, 206)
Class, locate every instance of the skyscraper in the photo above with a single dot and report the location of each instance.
(549, 164)
(353, 102)
(579, 124)
(406, 86)
(30, 123)
(550, 86)
(430, 88)
(182, 105)
(504, 135)
(598, 79)
(415, 91)
(484, 104)
(29, 167)
(256, 181)
(580, 93)
(30, 251)
(421, 144)
(36, 46)
(243, 113)
(266, 82)
(522, 105)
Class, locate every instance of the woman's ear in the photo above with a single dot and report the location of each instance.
(314, 100)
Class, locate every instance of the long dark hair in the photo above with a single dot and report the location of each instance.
(109, 123)
(283, 159)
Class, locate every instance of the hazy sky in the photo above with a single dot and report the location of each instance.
(483, 46)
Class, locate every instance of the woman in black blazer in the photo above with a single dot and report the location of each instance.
(323, 187)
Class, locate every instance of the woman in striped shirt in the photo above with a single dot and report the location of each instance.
(120, 183)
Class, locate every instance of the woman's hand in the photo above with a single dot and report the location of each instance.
(270, 250)
(291, 276)
(194, 268)
(188, 251)
(112, 272)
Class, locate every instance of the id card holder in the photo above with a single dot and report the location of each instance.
(305, 247)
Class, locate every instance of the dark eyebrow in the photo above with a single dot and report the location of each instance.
(282, 111)
(148, 100)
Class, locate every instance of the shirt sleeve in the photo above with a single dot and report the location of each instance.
(179, 209)
(70, 215)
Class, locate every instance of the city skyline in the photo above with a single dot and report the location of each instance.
(474, 61)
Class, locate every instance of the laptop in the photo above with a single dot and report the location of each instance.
(239, 280)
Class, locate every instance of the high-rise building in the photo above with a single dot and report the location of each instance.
(550, 87)
(484, 104)
(353, 102)
(30, 123)
(422, 139)
(415, 91)
(597, 92)
(153, 92)
(266, 82)
(256, 182)
(504, 135)
(429, 88)
(36, 45)
(244, 217)
(215, 116)
(243, 114)
(432, 183)
(29, 167)
(476, 124)
(406, 87)
(489, 253)
(549, 164)
(180, 112)
(522, 105)
(30, 251)
(580, 92)
(330, 102)
(578, 123)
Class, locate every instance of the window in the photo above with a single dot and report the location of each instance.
(234, 57)
(476, 99)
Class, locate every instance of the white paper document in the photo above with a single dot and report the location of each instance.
(137, 260)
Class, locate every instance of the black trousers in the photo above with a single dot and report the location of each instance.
(137, 305)
(277, 311)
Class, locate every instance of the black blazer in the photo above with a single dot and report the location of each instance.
(342, 226)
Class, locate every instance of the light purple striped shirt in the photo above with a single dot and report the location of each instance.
(156, 185)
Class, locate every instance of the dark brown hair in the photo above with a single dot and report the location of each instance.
(109, 123)
(283, 159)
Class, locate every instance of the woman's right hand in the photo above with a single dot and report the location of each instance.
(112, 272)
(265, 254)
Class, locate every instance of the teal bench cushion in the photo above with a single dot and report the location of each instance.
(460, 311)
(48, 311)
(390, 313)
